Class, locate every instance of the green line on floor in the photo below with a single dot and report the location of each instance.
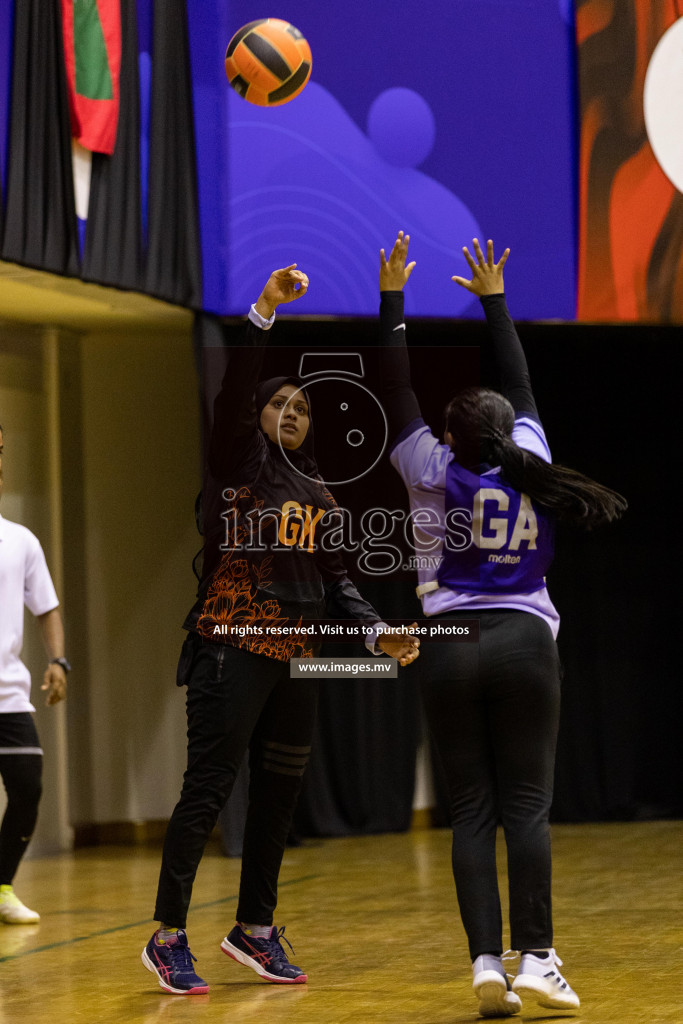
(135, 924)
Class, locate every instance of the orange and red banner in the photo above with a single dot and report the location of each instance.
(631, 160)
(92, 54)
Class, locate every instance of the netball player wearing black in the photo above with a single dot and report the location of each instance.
(265, 569)
(492, 707)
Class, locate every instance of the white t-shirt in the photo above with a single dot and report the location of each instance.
(24, 580)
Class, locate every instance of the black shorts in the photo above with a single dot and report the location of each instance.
(18, 733)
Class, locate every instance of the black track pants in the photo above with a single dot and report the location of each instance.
(237, 700)
(21, 768)
(493, 710)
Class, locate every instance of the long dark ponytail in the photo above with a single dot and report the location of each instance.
(480, 422)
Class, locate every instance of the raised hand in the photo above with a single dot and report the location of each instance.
(487, 276)
(393, 272)
(283, 285)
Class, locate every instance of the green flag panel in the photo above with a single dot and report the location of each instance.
(93, 79)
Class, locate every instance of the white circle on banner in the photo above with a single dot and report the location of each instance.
(663, 103)
(344, 453)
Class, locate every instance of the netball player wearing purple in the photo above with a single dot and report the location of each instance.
(492, 496)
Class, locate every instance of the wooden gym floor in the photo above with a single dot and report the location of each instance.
(374, 922)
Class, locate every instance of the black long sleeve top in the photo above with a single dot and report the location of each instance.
(265, 557)
(401, 403)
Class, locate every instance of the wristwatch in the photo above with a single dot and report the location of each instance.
(63, 662)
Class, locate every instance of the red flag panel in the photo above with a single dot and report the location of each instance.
(92, 55)
(631, 208)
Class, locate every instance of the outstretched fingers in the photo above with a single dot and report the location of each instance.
(468, 256)
(487, 275)
(479, 254)
(462, 281)
(393, 270)
(503, 259)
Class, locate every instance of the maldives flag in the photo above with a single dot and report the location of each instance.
(92, 54)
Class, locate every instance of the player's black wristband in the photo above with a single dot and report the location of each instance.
(63, 662)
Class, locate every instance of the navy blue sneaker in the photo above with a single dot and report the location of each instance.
(171, 961)
(265, 956)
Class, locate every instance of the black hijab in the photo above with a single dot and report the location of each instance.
(303, 457)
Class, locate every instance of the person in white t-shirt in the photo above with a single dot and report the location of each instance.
(24, 580)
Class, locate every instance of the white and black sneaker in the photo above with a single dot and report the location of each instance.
(538, 978)
(492, 988)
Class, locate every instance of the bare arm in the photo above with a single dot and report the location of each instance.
(54, 678)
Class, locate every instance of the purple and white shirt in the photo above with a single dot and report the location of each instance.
(478, 543)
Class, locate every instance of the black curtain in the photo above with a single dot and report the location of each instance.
(173, 269)
(362, 771)
(361, 777)
(40, 228)
(608, 399)
(113, 240)
(613, 413)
